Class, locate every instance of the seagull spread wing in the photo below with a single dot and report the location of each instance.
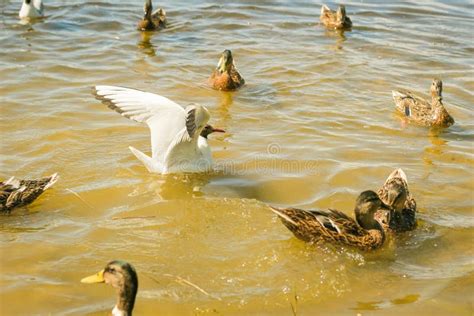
(183, 147)
(165, 118)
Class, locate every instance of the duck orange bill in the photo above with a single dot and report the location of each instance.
(218, 130)
(95, 278)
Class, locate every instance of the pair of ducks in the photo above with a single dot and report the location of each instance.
(392, 208)
(225, 77)
(424, 112)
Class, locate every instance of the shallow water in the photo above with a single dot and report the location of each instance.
(314, 126)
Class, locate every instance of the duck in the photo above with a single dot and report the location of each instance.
(152, 20)
(122, 276)
(15, 192)
(364, 232)
(226, 77)
(423, 111)
(395, 193)
(179, 136)
(31, 9)
(335, 19)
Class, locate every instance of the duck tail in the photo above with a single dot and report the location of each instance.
(151, 164)
(282, 215)
(52, 180)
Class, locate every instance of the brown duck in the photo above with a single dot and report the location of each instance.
(335, 19)
(365, 232)
(16, 193)
(152, 20)
(226, 77)
(395, 194)
(422, 111)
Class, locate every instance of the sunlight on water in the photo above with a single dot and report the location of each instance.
(313, 127)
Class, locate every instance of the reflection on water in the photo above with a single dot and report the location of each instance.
(371, 306)
(313, 126)
(145, 44)
(339, 36)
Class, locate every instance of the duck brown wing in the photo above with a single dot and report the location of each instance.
(305, 225)
(15, 193)
(346, 224)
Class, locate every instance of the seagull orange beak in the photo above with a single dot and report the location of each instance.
(218, 130)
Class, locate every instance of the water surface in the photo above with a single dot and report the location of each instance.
(314, 126)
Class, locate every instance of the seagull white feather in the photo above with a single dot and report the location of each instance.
(31, 9)
(178, 135)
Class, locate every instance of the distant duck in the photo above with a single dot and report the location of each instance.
(364, 233)
(395, 194)
(335, 19)
(152, 20)
(226, 76)
(178, 135)
(16, 193)
(31, 9)
(422, 111)
(122, 276)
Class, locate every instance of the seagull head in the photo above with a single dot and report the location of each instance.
(208, 129)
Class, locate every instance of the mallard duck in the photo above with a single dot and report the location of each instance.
(122, 276)
(395, 194)
(31, 9)
(16, 193)
(178, 136)
(152, 20)
(335, 19)
(226, 77)
(422, 111)
(365, 232)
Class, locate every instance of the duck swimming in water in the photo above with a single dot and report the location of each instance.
(16, 193)
(226, 76)
(395, 194)
(31, 9)
(335, 19)
(122, 276)
(422, 111)
(152, 20)
(364, 233)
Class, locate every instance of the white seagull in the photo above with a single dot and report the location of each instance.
(31, 9)
(178, 136)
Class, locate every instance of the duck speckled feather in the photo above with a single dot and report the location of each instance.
(395, 193)
(364, 232)
(226, 77)
(422, 111)
(16, 193)
(152, 20)
(335, 19)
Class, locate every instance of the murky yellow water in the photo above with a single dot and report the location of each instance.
(313, 127)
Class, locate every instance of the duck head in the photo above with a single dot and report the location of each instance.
(367, 205)
(225, 62)
(148, 9)
(208, 129)
(122, 276)
(341, 13)
(436, 89)
(396, 186)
